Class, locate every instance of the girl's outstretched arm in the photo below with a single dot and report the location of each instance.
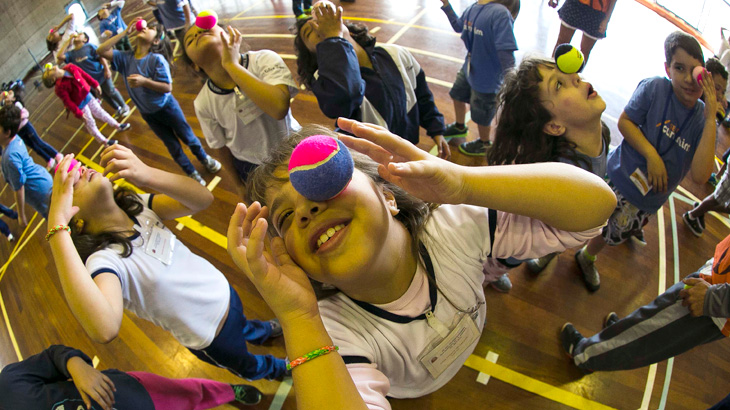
(181, 195)
(324, 382)
(106, 49)
(96, 303)
(561, 195)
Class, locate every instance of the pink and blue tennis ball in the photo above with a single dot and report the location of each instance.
(698, 72)
(140, 25)
(569, 59)
(206, 19)
(320, 167)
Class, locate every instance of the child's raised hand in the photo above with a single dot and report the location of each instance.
(232, 46)
(708, 89)
(91, 383)
(421, 174)
(328, 20)
(62, 209)
(281, 282)
(121, 162)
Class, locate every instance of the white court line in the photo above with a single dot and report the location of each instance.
(483, 378)
(407, 26)
(281, 393)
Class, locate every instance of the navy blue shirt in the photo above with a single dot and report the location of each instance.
(85, 58)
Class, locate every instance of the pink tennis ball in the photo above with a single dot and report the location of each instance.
(206, 19)
(140, 25)
(71, 165)
(698, 72)
(320, 167)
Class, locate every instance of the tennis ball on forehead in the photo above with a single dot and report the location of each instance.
(698, 72)
(569, 59)
(206, 20)
(140, 25)
(320, 167)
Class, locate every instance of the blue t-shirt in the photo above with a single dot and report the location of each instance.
(20, 170)
(173, 15)
(153, 66)
(673, 129)
(113, 23)
(487, 29)
(86, 59)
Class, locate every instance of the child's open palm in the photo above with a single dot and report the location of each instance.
(421, 174)
(62, 209)
(281, 282)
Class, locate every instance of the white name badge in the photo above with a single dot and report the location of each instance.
(439, 358)
(160, 245)
(641, 182)
(246, 109)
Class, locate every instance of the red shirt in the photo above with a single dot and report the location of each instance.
(74, 89)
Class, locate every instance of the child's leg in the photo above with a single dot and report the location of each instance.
(229, 349)
(460, 94)
(159, 125)
(107, 93)
(564, 36)
(183, 130)
(307, 6)
(296, 7)
(4, 228)
(655, 332)
(483, 108)
(184, 394)
(8, 212)
(708, 204)
(90, 124)
(29, 135)
(101, 113)
(586, 45)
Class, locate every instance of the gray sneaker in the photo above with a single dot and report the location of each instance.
(454, 131)
(588, 269)
(212, 165)
(276, 329)
(476, 148)
(537, 265)
(502, 284)
(196, 176)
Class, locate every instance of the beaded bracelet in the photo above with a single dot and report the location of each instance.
(311, 355)
(56, 229)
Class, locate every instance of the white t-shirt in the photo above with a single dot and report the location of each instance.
(250, 134)
(382, 355)
(188, 297)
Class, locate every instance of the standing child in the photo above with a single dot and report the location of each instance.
(398, 290)
(29, 180)
(353, 78)
(113, 252)
(56, 39)
(244, 105)
(41, 382)
(176, 15)
(146, 72)
(589, 16)
(668, 133)
(486, 29)
(111, 23)
(84, 56)
(28, 133)
(73, 86)
(549, 116)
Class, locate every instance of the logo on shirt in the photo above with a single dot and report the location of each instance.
(469, 26)
(670, 131)
(82, 59)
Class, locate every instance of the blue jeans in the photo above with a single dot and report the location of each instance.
(4, 228)
(228, 350)
(170, 125)
(31, 139)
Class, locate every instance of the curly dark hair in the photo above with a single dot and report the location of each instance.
(10, 118)
(714, 66)
(86, 244)
(307, 61)
(520, 137)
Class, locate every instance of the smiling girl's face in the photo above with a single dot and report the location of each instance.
(203, 46)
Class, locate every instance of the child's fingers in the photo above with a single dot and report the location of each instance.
(383, 138)
(255, 250)
(377, 153)
(249, 221)
(339, 14)
(85, 398)
(235, 229)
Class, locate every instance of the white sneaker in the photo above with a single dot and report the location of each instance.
(10, 237)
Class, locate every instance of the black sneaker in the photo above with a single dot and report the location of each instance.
(454, 131)
(693, 224)
(701, 219)
(111, 142)
(246, 394)
(535, 266)
(610, 319)
(276, 329)
(124, 127)
(638, 238)
(569, 338)
(476, 148)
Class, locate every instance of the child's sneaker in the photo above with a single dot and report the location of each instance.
(211, 165)
(308, 10)
(124, 127)
(196, 176)
(476, 148)
(118, 113)
(588, 268)
(610, 319)
(302, 16)
(713, 179)
(569, 338)
(246, 394)
(638, 238)
(276, 329)
(10, 237)
(535, 266)
(51, 164)
(502, 284)
(693, 224)
(455, 131)
(111, 142)
(125, 111)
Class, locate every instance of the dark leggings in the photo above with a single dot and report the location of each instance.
(29, 135)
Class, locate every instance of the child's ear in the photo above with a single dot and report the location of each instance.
(554, 129)
(78, 224)
(390, 202)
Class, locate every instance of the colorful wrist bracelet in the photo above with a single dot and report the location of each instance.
(311, 355)
(56, 229)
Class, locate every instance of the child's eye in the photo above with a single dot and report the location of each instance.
(282, 219)
(558, 84)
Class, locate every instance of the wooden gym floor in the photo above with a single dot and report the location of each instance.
(522, 329)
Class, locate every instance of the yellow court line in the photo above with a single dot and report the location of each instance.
(20, 239)
(68, 141)
(532, 385)
(268, 35)
(4, 269)
(13, 340)
(408, 25)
